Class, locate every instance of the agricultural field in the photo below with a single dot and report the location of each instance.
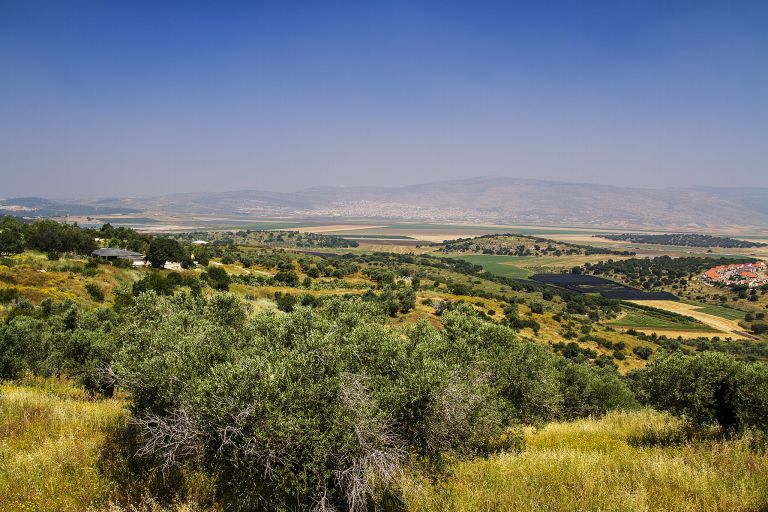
(505, 266)
(721, 311)
(524, 266)
(607, 288)
(713, 321)
(659, 321)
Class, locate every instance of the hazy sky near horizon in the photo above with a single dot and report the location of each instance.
(131, 98)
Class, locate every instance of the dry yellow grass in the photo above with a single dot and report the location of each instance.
(52, 435)
(591, 465)
(50, 441)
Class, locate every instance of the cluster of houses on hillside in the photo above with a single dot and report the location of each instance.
(750, 274)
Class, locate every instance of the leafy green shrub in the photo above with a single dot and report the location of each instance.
(59, 338)
(95, 292)
(285, 301)
(9, 295)
(154, 281)
(121, 263)
(288, 278)
(217, 278)
(643, 352)
(328, 404)
(707, 388)
(202, 255)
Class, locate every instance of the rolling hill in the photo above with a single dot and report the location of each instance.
(486, 199)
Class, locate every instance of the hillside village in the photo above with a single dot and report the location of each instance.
(752, 275)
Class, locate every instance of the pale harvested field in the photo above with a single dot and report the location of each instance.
(585, 239)
(715, 322)
(439, 238)
(334, 227)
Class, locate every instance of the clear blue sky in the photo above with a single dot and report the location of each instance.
(140, 98)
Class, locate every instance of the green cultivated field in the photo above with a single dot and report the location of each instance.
(722, 311)
(500, 265)
(650, 320)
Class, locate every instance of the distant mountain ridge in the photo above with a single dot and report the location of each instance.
(487, 199)
(40, 207)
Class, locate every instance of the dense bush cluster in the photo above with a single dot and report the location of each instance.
(521, 245)
(59, 338)
(327, 405)
(707, 388)
(683, 239)
(44, 235)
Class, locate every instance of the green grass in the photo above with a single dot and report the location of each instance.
(721, 311)
(598, 465)
(500, 265)
(56, 454)
(50, 441)
(61, 450)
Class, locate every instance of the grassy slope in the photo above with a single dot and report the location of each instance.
(52, 436)
(50, 441)
(592, 465)
(37, 279)
(36, 285)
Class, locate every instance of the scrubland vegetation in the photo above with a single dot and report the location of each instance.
(294, 239)
(626, 461)
(521, 245)
(265, 379)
